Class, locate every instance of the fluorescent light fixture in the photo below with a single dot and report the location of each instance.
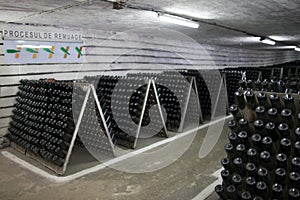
(281, 37)
(297, 49)
(194, 13)
(267, 41)
(33, 46)
(178, 20)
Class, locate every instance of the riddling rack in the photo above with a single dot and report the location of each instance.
(100, 113)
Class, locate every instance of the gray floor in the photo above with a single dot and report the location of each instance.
(182, 180)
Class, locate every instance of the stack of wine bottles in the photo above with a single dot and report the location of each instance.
(91, 131)
(122, 100)
(42, 120)
(232, 78)
(263, 157)
(208, 84)
(105, 86)
(289, 84)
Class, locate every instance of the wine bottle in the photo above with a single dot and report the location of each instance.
(296, 151)
(260, 128)
(264, 85)
(273, 116)
(264, 175)
(244, 126)
(226, 164)
(239, 97)
(275, 101)
(243, 139)
(241, 152)
(232, 136)
(267, 160)
(237, 182)
(226, 177)
(263, 100)
(246, 195)
(251, 100)
(294, 180)
(289, 102)
(280, 86)
(250, 84)
(231, 192)
(269, 145)
(251, 169)
(230, 151)
(272, 132)
(257, 142)
(253, 156)
(220, 191)
(287, 117)
(261, 113)
(236, 112)
(277, 191)
(295, 164)
(294, 194)
(233, 125)
(239, 166)
(250, 184)
(262, 189)
(257, 84)
(281, 160)
(280, 176)
(297, 134)
(284, 131)
(285, 146)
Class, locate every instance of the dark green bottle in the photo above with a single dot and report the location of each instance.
(289, 102)
(240, 100)
(251, 100)
(263, 100)
(275, 101)
(236, 112)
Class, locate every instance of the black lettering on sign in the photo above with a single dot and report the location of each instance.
(16, 33)
(22, 33)
(5, 33)
(26, 34)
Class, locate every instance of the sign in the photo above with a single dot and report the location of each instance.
(40, 36)
(23, 46)
(18, 52)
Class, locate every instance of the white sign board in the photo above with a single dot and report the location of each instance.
(22, 47)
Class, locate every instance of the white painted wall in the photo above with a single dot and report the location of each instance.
(111, 51)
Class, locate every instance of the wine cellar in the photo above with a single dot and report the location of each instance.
(147, 100)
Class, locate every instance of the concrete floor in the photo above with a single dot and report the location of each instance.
(182, 180)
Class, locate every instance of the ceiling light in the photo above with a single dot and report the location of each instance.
(192, 13)
(178, 20)
(281, 37)
(297, 49)
(267, 41)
